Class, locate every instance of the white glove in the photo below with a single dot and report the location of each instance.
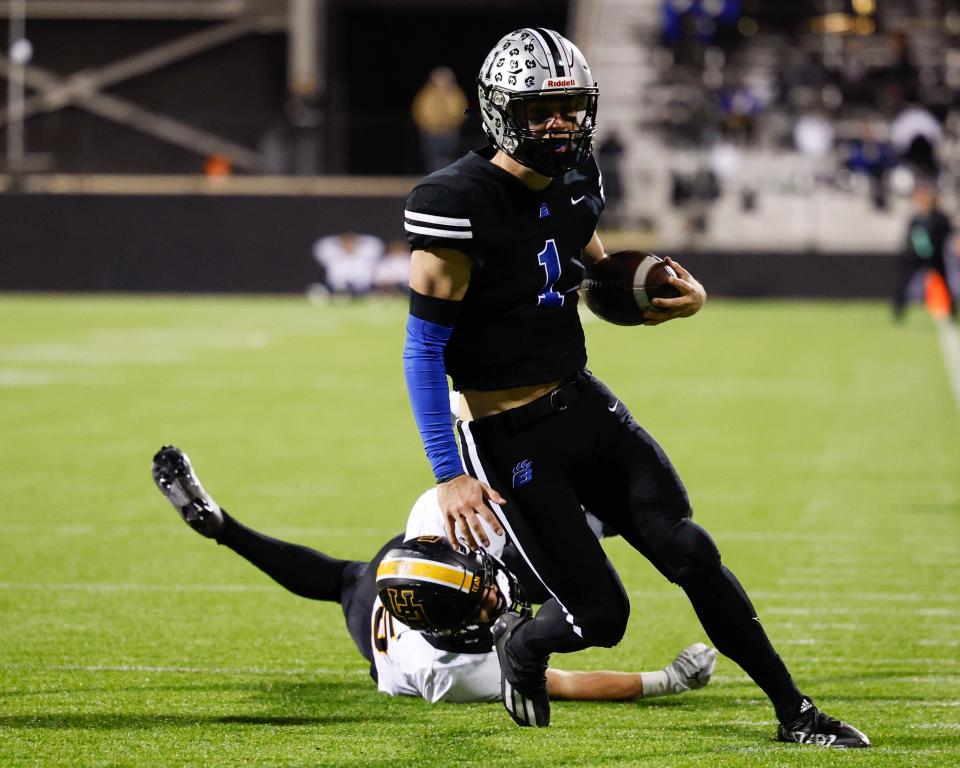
(692, 668)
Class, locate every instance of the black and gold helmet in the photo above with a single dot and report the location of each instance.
(434, 589)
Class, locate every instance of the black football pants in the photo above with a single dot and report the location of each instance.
(314, 575)
(580, 448)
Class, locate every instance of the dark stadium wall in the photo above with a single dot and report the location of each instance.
(236, 91)
(251, 244)
(381, 53)
(378, 55)
(176, 243)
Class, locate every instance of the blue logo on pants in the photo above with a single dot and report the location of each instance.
(522, 473)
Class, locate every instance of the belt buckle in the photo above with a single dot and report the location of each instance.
(557, 406)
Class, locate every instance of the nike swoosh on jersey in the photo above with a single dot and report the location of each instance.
(576, 200)
(613, 407)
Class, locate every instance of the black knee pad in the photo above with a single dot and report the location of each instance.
(604, 624)
(689, 552)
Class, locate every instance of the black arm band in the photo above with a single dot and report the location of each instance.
(440, 311)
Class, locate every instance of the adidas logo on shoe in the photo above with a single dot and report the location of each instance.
(815, 728)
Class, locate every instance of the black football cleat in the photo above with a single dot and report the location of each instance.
(522, 686)
(820, 730)
(174, 476)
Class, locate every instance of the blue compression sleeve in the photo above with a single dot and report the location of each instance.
(426, 377)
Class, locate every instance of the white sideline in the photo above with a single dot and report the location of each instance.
(950, 344)
(790, 596)
(890, 678)
(841, 610)
(107, 587)
(182, 670)
(177, 670)
(932, 608)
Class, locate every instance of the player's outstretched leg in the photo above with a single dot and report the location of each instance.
(817, 728)
(522, 685)
(174, 476)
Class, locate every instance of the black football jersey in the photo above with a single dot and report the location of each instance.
(518, 323)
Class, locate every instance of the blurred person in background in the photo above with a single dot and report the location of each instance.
(926, 247)
(439, 110)
(393, 270)
(609, 156)
(916, 135)
(349, 261)
(867, 154)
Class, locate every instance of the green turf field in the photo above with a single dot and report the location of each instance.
(820, 445)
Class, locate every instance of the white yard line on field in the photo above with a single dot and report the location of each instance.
(950, 344)
(826, 594)
(182, 670)
(16, 377)
(886, 661)
(110, 527)
(891, 678)
(924, 604)
(108, 587)
(879, 608)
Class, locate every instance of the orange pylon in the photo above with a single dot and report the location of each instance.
(937, 296)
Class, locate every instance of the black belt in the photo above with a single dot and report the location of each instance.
(555, 401)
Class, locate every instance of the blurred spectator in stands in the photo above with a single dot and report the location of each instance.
(609, 155)
(813, 135)
(916, 135)
(900, 76)
(873, 157)
(854, 71)
(738, 108)
(438, 110)
(800, 78)
(392, 274)
(348, 262)
(727, 166)
(926, 247)
(694, 194)
(689, 26)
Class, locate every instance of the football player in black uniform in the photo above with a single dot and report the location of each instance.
(499, 241)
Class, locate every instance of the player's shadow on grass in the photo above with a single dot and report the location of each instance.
(271, 702)
(111, 721)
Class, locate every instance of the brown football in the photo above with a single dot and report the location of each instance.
(620, 287)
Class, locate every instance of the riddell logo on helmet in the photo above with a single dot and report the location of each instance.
(560, 83)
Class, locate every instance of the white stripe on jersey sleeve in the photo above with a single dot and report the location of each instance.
(454, 234)
(434, 219)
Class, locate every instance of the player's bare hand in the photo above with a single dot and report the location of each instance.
(463, 500)
(691, 299)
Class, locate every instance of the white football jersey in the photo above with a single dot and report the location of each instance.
(407, 665)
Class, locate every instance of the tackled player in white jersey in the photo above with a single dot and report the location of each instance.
(419, 611)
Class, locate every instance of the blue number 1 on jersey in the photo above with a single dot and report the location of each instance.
(549, 259)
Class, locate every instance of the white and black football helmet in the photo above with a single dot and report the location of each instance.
(526, 79)
(439, 591)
